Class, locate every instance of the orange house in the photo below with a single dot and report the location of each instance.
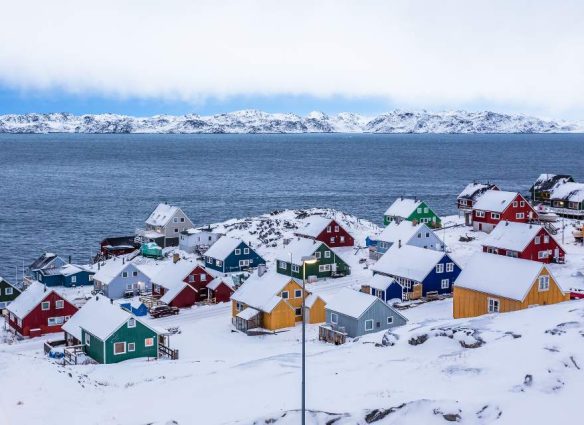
(498, 284)
(273, 301)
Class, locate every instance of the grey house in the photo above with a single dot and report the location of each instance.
(356, 313)
(116, 278)
(165, 225)
(407, 233)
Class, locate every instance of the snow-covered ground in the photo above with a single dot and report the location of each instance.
(523, 367)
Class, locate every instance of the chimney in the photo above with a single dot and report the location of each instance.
(96, 297)
(111, 301)
(175, 257)
(69, 259)
(261, 270)
(98, 266)
(399, 243)
(507, 223)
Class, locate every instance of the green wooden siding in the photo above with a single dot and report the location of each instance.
(422, 214)
(313, 269)
(4, 297)
(136, 335)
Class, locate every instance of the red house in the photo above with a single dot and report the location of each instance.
(38, 311)
(526, 241)
(495, 206)
(220, 289)
(469, 196)
(117, 245)
(181, 283)
(325, 230)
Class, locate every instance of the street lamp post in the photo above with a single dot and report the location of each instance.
(305, 261)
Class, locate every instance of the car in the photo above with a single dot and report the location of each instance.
(163, 310)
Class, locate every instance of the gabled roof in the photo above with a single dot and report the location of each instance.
(100, 318)
(381, 282)
(171, 274)
(298, 248)
(571, 192)
(215, 283)
(261, 292)
(549, 181)
(224, 246)
(495, 200)
(474, 190)
(513, 236)
(43, 261)
(499, 275)
(354, 303)
(10, 284)
(113, 267)
(311, 299)
(66, 270)
(174, 291)
(404, 231)
(403, 207)
(29, 299)
(315, 225)
(162, 215)
(408, 261)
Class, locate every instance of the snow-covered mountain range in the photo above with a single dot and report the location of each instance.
(252, 121)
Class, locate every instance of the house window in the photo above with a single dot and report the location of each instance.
(73, 279)
(175, 230)
(119, 348)
(419, 210)
(520, 216)
(9, 291)
(334, 318)
(327, 254)
(522, 203)
(124, 274)
(546, 239)
(427, 234)
(342, 239)
(480, 214)
(390, 320)
(203, 277)
(537, 240)
(449, 267)
(132, 323)
(182, 219)
(317, 254)
(192, 278)
(298, 293)
(514, 204)
(543, 254)
(244, 263)
(45, 305)
(209, 260)
(87, 340)
(324, 268)
(237, 251)
(59, 304)
(544, 283)
(298, 311)
(445, 283)
(282, 265)
(219, 263)
(336, 229)
(131, 346)
(246, 251)
(295, 268)
(149, 342)
(369, 325)
(66, 318)
(175, 220)
(328, 229)
(332, 241)
(426, 209)
(493, 305)
(53, 321)
(439, 268)
(135, 273)
(495, 216)
(285, 295)
(419, 236)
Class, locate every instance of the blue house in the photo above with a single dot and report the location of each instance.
(419, 271)
(68, 275)
(384, 287)
(231, 255)
(45, 262)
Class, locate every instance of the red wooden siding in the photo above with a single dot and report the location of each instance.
(333, 234)
(222, 293)
(531, 251)
(509, 214)
(200, 283)
(185, 298)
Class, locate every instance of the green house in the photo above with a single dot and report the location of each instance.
(109, 334)
(328, 263)
(151, 249)
(412, 210)
(8, 293)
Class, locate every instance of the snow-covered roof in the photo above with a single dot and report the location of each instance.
(474, 190)
(350, 302)
(381, 282)
(248, 313)
(261, 292)
(43, 261)
(495, 200)
(314, 226)
(549, 181)
(408, 261)
(511, 235)
(174, 291)
(310, 300)
(404, 231)
(224, 246)
(161, 215)
(298, 248)
(100, 317)
(499, 275)
(171, 274)
(571, 192)
(109, 270)
(214, 284)
(148, 268)
(70, 269)
(403, 207)
(29, 299)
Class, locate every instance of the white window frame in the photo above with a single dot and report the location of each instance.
(390, 320)
(367, 328)
(131, 322)
(114, 347)
(244, 263)
(327, 254)
(543, 254)
(295, 268)
(495, 216)
(515, 204)
(285, 295)
(440, 268)
(237, 251)
(337, 229)
(445, 283)
(246, 251)
(342, 239)
(9, 291)
(546, 239)
(480, 213)
(520, 216)
(328, 229)
(297, 313)
(87, 339)
(543, 283)
(135, 273)
(59, 304)
(131, 347)
(282, 265)
(219, 263)
(146, 340)
(493, 305)
(298, 293)
(334, 318)
(203, 277)
(73, 279)
(449, 267)
(317, 255)
(537, 240)
(47, 303)
(124, 274)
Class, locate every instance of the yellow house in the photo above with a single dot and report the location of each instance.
(273, 301)
(493, 283)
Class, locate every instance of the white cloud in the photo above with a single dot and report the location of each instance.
(415, 52)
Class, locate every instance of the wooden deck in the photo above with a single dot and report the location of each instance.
(327, 333)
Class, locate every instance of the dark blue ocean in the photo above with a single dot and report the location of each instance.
(64, 193)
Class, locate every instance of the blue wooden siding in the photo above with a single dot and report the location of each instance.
(232, 262)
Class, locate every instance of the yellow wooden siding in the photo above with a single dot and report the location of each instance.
(470, 303)
(317, 311)
(282, 316)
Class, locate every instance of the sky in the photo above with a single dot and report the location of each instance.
(189, 56)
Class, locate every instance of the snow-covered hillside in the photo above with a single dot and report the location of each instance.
(252, 121)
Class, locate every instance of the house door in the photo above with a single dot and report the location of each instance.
(556, 253)
(481, 227)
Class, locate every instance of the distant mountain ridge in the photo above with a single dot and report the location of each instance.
(253, 121)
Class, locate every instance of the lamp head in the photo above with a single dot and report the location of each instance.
(309, 260)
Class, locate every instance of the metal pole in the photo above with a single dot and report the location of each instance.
(303, 344)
